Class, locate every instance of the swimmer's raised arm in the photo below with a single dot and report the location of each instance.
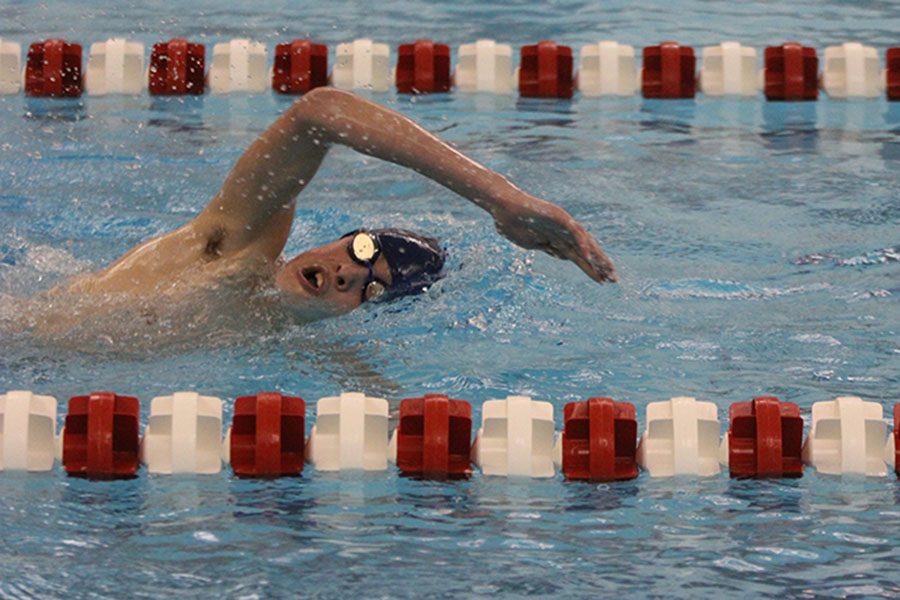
(255, 206)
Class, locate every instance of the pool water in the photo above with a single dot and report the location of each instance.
(758, 250)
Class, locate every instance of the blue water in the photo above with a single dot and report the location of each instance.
(758, 249)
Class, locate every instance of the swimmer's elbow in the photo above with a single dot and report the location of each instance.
(321, 110)
(324, 94)
(319, 104)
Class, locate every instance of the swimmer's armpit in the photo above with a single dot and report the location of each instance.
(214, 243)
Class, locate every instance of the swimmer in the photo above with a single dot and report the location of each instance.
(237, 240)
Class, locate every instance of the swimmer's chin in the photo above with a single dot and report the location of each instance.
(308, 308)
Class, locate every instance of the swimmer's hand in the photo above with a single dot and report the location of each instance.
(536, 224)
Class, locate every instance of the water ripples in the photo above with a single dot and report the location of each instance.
(757, 244)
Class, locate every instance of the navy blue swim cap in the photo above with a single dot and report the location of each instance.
(415, 260)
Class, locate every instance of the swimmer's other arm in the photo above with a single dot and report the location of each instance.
(256, 203)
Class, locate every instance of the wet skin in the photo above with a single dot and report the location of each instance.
(237, 240)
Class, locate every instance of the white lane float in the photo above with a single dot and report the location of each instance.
(240, 65)
(847, 437)
(184, 434)
(608, 69)
(10, 67)
(351, 433)
(729, 69)
(27, 431)
(115, 66)
(852, 71)
(515, 438)
(485, 66)
(681, 438)
(362, 64)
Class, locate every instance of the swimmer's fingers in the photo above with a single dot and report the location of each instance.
(578, 246)
(551, 229)
(594, 261)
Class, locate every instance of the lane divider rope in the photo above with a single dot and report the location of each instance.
(517, 438)
(790, 71)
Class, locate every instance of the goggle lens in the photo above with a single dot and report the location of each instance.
(364, 248)
(373, 290)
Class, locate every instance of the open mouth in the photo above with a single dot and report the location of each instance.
(313, 279)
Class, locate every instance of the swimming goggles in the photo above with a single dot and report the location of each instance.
(364, 249)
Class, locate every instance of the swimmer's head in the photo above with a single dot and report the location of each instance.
(362, 266)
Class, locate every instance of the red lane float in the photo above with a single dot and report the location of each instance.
(100, 438)
(892, 73)
(791, 72)
(300, 66)
(267, 435)
(433, 437)
(53, 69)
(599, 440)
(423, 67)
(765, 439)
(669, 71)
(177, 68)
(897, 439)
(545, 71)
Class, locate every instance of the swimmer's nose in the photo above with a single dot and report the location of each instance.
(341, 281)
(348, 277)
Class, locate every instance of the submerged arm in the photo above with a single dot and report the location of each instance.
(256, 203)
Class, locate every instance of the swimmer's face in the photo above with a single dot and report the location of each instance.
(327, 281)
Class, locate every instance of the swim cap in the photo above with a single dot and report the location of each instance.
(415, 261)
